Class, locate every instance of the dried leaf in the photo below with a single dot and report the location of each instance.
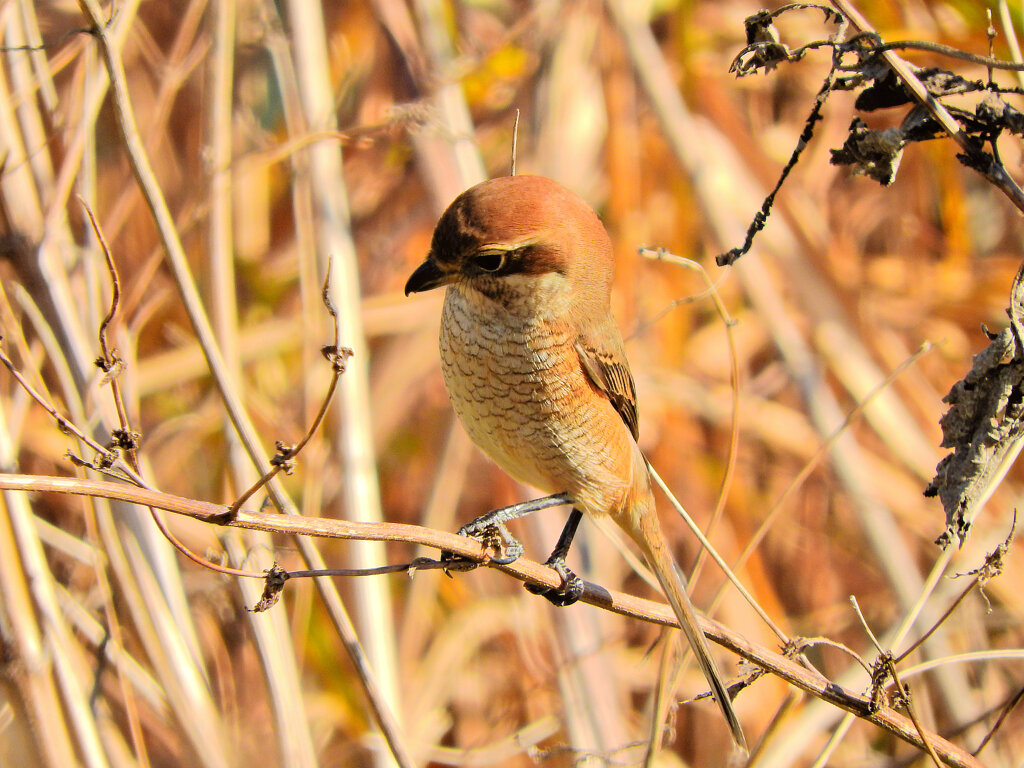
(983, 422)
(873, 153)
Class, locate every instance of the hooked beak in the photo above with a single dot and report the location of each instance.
(426, 277)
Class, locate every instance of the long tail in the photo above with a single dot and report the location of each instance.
(641, 522)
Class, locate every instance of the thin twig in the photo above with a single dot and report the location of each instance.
(337, 355)
(761, 217)
(515, 144)
(886, 665)
(809, 642)
(1011, 37)
(63, 424)
(1005, 711)
(805, 472)
(946, 50)
(992, 567)
(711, 289)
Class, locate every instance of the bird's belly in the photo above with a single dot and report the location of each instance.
(523, 397)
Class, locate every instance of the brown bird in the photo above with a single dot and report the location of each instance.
(535, 368)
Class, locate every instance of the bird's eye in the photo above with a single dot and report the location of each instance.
(489, 261)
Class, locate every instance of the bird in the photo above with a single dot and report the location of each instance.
(534, 364)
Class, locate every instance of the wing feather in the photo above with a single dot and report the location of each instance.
(606, 366)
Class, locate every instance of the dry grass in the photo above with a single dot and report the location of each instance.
(277, 141)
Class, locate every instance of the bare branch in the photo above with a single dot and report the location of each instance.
(522, 569)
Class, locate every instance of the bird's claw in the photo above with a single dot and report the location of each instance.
(567, 594)
(495, 537)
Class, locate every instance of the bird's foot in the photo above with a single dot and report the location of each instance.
(495, 537)
(567, 594)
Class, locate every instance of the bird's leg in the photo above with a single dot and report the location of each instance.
(572, 585)
(490, 528)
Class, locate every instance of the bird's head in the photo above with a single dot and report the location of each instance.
(525, 242)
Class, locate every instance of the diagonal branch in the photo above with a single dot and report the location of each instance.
(522, 569)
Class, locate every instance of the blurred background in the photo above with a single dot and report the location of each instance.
(280, 134)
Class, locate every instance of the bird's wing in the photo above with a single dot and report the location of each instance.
(606, 366)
